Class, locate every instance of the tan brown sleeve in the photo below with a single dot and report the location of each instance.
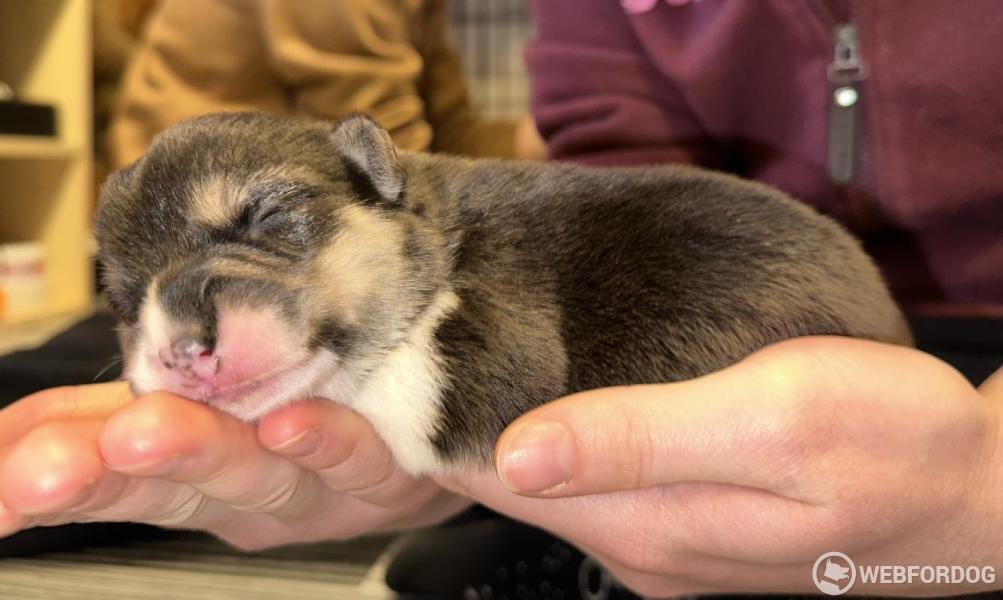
(387, 58)
(196, 57)
(351, 55)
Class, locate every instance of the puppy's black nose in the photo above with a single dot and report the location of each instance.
(191, 358)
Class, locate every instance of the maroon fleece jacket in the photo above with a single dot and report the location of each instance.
(746, 86)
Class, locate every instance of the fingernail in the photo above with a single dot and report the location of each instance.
(303, 444)
(537, 457)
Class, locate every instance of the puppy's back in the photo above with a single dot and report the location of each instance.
(642, 276)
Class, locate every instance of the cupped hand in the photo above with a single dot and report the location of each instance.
(738, 481)
(309, 471)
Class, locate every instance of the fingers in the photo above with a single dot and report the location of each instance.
(341, 447)
(164, 460)
(164, 436)
(55, 474)
(750, 425)
(77, 402)
(651, 529)
(714, 428)
(58, 466)
(53, 467)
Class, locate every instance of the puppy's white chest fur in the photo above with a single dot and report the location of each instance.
(401, 397)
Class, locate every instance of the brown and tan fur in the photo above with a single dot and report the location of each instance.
(443, 297)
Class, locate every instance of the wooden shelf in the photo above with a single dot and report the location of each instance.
(26, 146)
(45, 56)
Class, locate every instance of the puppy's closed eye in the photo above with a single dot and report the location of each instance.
(268, 216)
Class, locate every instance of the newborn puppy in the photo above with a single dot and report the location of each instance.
(256, 260)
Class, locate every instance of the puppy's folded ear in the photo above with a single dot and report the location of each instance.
(371, 158)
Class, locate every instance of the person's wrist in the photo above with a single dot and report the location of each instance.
(978, 537)
(987, 513)
(974, 537)
(528, 143)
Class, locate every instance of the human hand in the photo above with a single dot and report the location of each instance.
(738, 481)
(309, 471)
(528, 143)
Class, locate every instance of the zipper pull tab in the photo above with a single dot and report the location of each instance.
(847, 64)
(846, 71)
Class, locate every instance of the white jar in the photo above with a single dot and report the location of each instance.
(22, 279)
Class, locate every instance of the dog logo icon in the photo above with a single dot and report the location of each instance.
(834, 573)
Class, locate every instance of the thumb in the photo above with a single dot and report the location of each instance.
(733, 427)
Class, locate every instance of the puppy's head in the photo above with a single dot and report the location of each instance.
(252, 259)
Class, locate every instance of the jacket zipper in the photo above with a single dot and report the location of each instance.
(846, 71)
